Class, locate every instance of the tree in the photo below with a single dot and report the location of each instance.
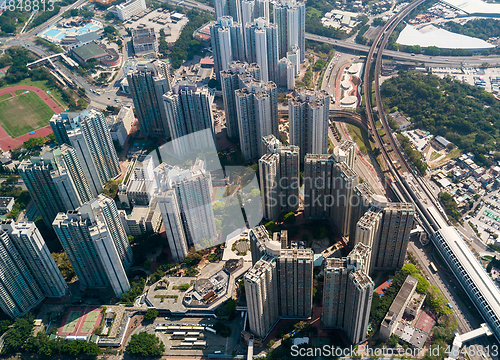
(270, 226)
(193, 258)
(319, 65)
(145, 344)
(289, 218)
(151, 314)
(393, 341)
(64, 265)
(16, 337)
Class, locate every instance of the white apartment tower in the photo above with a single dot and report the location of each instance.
(295, 268)
(233, 79)
(55, 181)
(95, 241)
(347, 297)
(185, 200)
(261, 288)
(308, 113)
(261, 46)
(168, 203)
(279, 178)
(257, 113)
(228, 8)
(286, 76)
(227, 42)
(290, 17)
(385, 228)
(29, 273)
(88, 133)
(328, 191)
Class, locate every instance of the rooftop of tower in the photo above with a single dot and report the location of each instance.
(346, 145)
(296, 253)
(362, 280)
(363, 190)
(312, 96)
(319, 157)
(346, 170)
(336, 263)
(360, 250)
(259, 268)
(369, 217)
(269, 158)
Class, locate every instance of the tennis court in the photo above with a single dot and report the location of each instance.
(91, 320)
(80, 321)
(71, 321)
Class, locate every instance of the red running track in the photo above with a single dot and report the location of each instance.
(6, 142)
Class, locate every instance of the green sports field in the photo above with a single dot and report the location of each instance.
(90, 322)
(23, 114)
(71, 321)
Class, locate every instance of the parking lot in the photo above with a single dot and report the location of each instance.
(160, 20)
(487, 219)
(188, 329)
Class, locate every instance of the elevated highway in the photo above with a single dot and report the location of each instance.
(348, 117)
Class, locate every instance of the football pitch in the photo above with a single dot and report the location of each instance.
(24, 113)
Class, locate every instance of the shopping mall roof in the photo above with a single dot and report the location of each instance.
(475, 7)
(440, 38)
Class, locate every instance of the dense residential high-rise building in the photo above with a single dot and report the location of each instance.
(385, 228)
(233, 79)
(329, 188)
(226, 36)
(295, 269)
(168, 203)
(349, 151)
(88, 133)
(361, 203)
(308, 113)
(269, 172)
(262, 293)
(280, 284)
(29, 273)
(147, 84)
(140, 186)
(279, 178)
(185, 200)
(257, 113)
(228, 8)
(261, 243)
(95, 241)
(286, 74)
(261, 46)
(290, 16)
(347, 295)
(189, 110)
(55, 181)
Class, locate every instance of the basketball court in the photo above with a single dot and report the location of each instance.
(425, 322)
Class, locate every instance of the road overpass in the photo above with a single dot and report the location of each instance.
(455, 61)
(345, 116)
